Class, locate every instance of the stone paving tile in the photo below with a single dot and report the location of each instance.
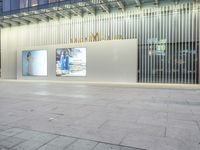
(184, 134)
(35, 142)
(11, 131)
(3, 148)
(157, 143)
(102, 146)
(131, 127)
(10, 142)
(2, 137)
(27, 134)
(82, 145)
(128, 148)
(182, 124)
(139, 141)
(183, 116)
(60, 143)
(2, 128)
(173, 144)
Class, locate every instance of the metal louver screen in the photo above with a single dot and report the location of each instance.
(169, 45)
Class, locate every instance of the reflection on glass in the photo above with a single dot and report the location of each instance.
(33, 3)
(23, 3)
(6, 5)
(52, 1)
(42, 2)
(15, 4)
(163, 62)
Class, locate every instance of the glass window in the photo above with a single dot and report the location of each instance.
(15, 4)
(33, 3)
(42, 2)
(6, 5)
(23, 3)
(52, 1)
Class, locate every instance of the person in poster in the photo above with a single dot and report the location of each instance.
(64, 61)
(29, 60)
(67, 55)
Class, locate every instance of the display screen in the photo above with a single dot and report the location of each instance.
(34, 63)
(71, 62)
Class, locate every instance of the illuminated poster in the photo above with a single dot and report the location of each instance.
(71, 62)
(34, 63)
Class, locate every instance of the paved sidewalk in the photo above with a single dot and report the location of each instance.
(22, 139)
(54, 116)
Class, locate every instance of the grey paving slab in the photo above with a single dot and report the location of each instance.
(182, 124)
(158, 143)
(2, 128)
(132, 127)
(183, 116)
(128, 148)
(173, 144)
(184, 134)
(11, 142)
(35, 143)
(28, 134)
(3, 148)
(60, 143)
(82, 145)
(11, 131)
(139, 141)
(2, 137)
(102, 146)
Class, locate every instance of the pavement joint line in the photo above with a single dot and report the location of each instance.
(123, 138)
(12, 128)
(7, 137)
(95, 146)
(165, 134)
(18, 143)
(103, 124)
(198, 125)
(46, 143)
(71, 143)
(78, 138)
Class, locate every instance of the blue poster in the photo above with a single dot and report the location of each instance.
(71, 62)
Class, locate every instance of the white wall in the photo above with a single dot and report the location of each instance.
(107, 61)
(63, 31)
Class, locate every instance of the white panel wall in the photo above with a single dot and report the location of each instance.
(107, 61)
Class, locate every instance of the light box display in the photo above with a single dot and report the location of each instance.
(34, 63)
(71, 62)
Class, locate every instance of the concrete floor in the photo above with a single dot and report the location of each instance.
(54, 116)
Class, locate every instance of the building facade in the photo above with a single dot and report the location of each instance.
(167, 32)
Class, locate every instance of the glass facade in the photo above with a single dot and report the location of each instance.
(6, 5)
(23, 4)
(11, 5)
(14, 4)
(42, 2)
(33, 3)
